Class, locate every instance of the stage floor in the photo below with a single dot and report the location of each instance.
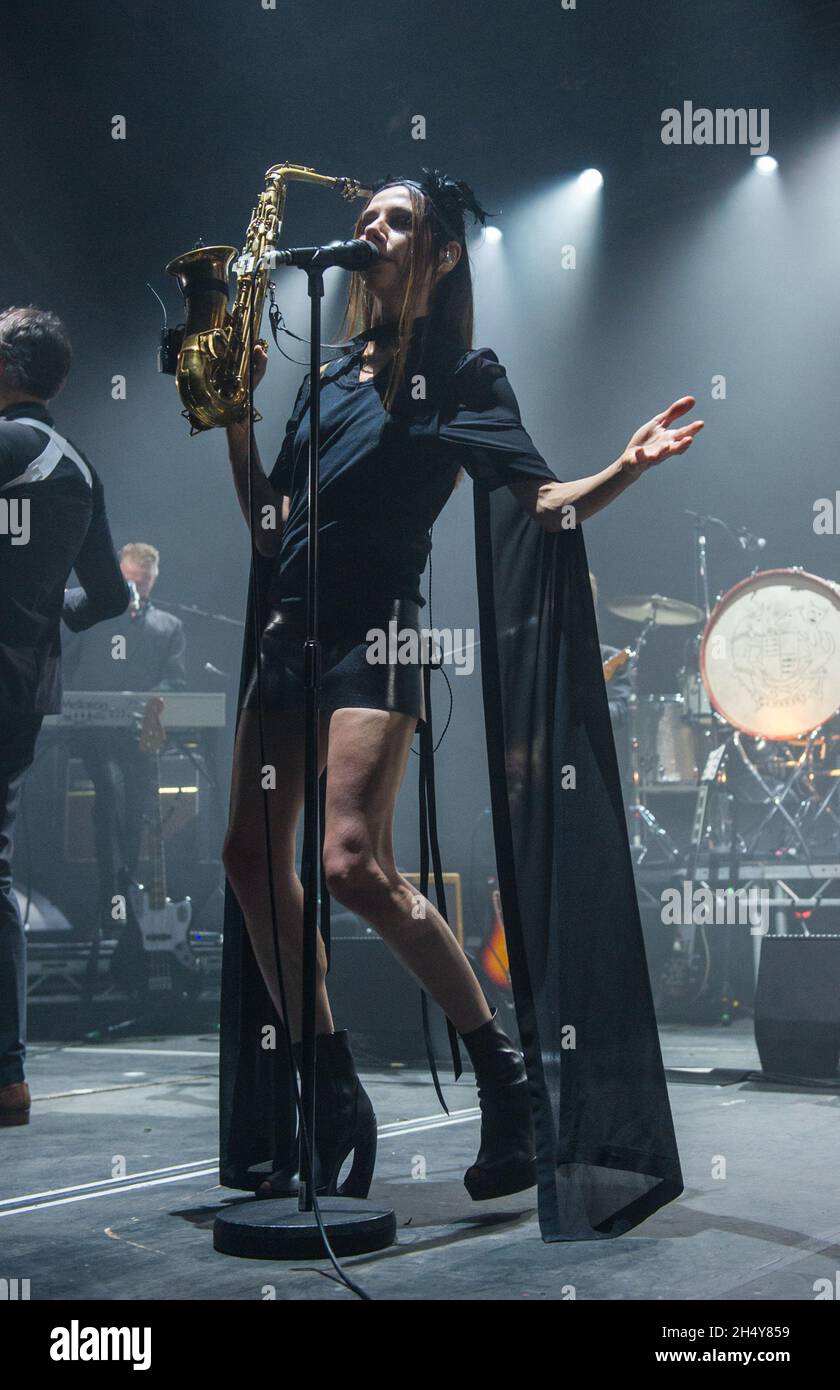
(111, 1190)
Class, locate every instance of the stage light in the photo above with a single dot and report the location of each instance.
(766, 164)
(591, 180)
(492, 233)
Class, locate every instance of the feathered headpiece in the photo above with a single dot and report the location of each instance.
(450, 199)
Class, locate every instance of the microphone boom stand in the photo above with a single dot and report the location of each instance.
(287, 1227)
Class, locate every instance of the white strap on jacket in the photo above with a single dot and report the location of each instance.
(48, 460)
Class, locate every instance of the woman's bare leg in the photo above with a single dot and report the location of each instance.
(244, 854)
(368, 750)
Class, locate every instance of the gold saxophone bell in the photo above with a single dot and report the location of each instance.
(211, 372)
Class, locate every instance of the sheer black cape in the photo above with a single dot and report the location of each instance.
(606, 1150)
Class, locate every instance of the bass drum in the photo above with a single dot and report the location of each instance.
(770, 655)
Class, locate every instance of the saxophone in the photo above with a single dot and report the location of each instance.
(212, 352)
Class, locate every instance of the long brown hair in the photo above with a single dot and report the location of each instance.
(451, 301)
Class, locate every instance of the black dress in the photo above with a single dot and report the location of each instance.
(606, 1150)
(384, 478)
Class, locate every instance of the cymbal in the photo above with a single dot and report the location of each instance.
(664, 612)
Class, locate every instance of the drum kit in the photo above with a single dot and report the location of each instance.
(755, 719)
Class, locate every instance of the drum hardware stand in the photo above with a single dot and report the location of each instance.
(708, 779)
(722, 866)
(646, 832)
(777, 800)
(716, 861)
(825, 806)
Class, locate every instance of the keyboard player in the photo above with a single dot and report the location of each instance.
(144, 651)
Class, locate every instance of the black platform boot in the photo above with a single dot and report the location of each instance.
(345, 1122)
(506, 1161)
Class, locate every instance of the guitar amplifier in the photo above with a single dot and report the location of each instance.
(454, 899)
(179, 796)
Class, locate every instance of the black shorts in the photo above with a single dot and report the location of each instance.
(348, 679)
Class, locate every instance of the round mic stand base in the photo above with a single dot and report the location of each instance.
(276, 1228)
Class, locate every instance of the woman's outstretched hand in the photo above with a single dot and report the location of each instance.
(554, 503)
(656, 441)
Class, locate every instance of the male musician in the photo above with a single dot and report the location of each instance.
(144, 653)
(52, 520)
(149, 651)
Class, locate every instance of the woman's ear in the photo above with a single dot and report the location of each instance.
(449, 258)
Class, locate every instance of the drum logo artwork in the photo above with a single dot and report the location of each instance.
(771, 654)
(782, 654)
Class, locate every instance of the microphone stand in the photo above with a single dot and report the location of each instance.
(701, 566)
(745, 539)
(197, 612)
(310, 852)
(306, 1227)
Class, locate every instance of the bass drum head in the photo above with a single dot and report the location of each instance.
(770, 655)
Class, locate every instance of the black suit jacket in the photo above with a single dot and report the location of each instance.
(52, 520)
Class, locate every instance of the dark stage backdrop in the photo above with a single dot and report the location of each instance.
(689, 267)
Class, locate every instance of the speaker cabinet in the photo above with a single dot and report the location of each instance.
(797, 1006)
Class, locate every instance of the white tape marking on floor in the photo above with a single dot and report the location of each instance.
(107, 1051)
(113, 1187)
(109, 1182)
(112, 1192)
(177, 1078)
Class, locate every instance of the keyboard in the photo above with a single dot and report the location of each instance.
(123, 709)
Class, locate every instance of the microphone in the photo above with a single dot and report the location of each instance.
(748, 541)
(357, 254)
(135, 605)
